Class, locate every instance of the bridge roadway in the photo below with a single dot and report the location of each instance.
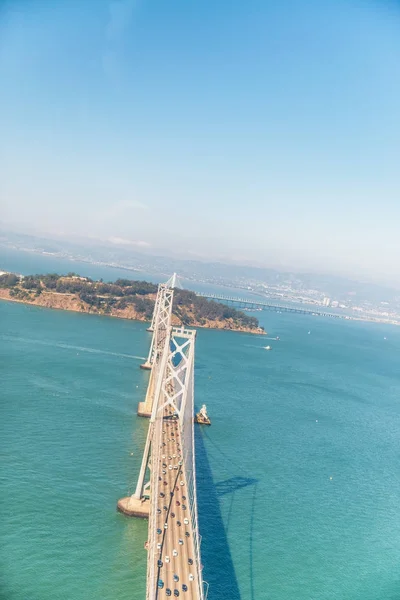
(255, 304)
(175, 544)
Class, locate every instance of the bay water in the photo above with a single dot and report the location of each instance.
(298, 477)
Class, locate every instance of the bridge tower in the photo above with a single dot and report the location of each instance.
(160, 325)
(174, 388)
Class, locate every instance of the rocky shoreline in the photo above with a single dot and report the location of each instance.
(72, 302)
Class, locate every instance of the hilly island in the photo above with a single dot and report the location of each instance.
(124, 298)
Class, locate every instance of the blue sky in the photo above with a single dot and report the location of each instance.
(261, 130)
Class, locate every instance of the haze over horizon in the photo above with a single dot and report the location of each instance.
(232, 131)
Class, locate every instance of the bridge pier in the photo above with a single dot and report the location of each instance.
(147, 366)
(134, 507)
(143, 411)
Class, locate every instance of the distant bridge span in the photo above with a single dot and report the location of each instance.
(276, 307)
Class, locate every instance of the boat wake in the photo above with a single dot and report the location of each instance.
(71, 347)
(259, 347)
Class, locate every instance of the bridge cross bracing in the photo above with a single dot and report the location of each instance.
(160, 326)
(168, 495)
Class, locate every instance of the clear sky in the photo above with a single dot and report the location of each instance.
(256, 130)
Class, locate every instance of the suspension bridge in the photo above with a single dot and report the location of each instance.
(166, 488)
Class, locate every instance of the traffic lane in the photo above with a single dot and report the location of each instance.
(170, 540)
(180, 563)
(177, 565)
(164, 501)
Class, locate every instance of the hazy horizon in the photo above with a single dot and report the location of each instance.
(176, 260)
(241, 132)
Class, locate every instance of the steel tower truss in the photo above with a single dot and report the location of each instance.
(173, 386)
(160, 324)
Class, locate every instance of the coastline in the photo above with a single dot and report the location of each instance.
(72, 303)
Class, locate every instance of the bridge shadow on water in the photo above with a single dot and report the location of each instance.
(231, 485)
(219, 570)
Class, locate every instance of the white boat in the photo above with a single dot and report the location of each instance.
(202, 416)
(267, 347)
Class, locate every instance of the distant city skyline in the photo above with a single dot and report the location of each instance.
(257, 132)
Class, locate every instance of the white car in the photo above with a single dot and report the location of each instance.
(182, 483)
(191, 577)
(163, 456)
(174, 552)
(167, 559)
(170, 467)
(159, 546)
(166, 525)
(186, 521)
(174, 456)
(180, 541)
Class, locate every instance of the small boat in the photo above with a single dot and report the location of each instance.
(267, 347)
(202, 417)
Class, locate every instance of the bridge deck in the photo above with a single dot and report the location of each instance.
(277, 306)
(173, 509)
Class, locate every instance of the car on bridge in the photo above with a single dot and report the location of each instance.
(160, 584)
(184, 587)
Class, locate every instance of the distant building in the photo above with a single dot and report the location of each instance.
(334, 303)
(326, 301)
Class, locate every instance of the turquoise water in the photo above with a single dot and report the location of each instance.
(298, 476)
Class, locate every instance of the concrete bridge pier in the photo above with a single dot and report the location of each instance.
(134, 507)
